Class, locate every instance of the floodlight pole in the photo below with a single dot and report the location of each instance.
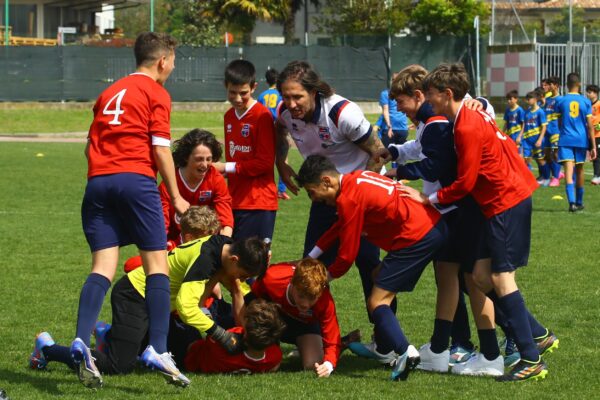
(6, 22)
(570, 44)
(476, 26)
(151, 15)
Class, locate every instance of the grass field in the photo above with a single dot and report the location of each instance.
(45, 260)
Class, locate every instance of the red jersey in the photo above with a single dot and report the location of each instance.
(250, 144)
(274, 286)
(209, 357)
(126, 117)
(212, 192)
(369, 205)
(489, 166)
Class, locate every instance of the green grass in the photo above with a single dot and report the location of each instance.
(45, 260)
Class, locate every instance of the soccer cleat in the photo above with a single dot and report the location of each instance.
(87, 371)
(580, 207)
(405, 363)
(37, 359)
(431, 361)
(595, 180)
(100, 331)
(512, 359)
(283, 196)
(573, 208)
(561, 175)
(478, 365)
(164, 364)
(459, 354)
(547, 344)
(554, 182)
(351, 337)
(369, 350)
(545, 182)
(525, 370)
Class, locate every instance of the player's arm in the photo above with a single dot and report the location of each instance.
(222, 205)
(86, 151)
(372, 145)
(590, 127)
(405, 152)
(166, 168)
(351, 217)
(326, 240)
(165, 201)
(330, 331)
(520, 137)
(282, 147)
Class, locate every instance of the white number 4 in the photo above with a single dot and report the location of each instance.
(117, 111)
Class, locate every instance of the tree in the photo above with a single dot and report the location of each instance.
(449, 17)
(560, 25)
(359, 17)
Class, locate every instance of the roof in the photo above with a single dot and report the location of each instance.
(94, 5)
(547, 5)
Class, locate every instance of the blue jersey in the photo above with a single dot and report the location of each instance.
(574, 109)
(397, 118)
(552, 114)
(270, 98)
(514, 119)
(534, 120)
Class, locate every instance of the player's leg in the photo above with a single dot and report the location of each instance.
(552, 165)
(566, 157)
(596, 178)
(580, 155)
(538, 154)
(310, 347)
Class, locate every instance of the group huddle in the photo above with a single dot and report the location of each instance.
(216, 219)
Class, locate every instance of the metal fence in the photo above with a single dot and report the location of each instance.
(561, 59)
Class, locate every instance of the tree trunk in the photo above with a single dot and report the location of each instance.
(289, 25)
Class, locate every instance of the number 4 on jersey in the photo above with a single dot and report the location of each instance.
(117, 111)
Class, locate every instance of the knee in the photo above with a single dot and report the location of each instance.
(482, 280)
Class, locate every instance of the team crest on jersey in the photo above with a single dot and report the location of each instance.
(205, 195)
(324, 133)
(246, 130)
(228, 128)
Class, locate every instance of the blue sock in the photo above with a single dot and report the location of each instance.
(570, 189)
(389, 333)
(579, 196)
(537, 329)
(513, 306)
(461, 332)
(158, 304)
(488, 343)
(545, 171)
(60, 354)
(90, 303)
(441, 335)
(555, 169)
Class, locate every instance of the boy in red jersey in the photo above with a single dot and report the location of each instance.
(308, 310)
(128, 142)
(370, 205)
(261, 329)
(249, 155)
(491, 170)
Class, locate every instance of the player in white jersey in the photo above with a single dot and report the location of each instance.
(321, 122)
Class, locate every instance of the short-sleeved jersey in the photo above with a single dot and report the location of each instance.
(250, 144)
(274, 286)
(534, 120)
(336, 127)
(489, 166)
(397, 118)
(126, 116)
(212, 192)
(596, 118)
(370, 205)
(514, 120)
(551, 110)
(210, 357)
(270, 98)
(574, 109)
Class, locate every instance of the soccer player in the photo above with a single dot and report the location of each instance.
(532, 138)
(322, 122)
(271, 99)
(577, 136)
(490, 169)
(591, 91)
(261, 329)
(128, 142)
(514, 116)
(370, 205)
(250, 155)
(395, 126)
(552, 131)
(308, 310)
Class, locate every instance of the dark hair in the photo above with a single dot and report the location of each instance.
(150, 46)
(544, 80)
(313, 168)
(553, 80)
(534, 94)
(271, 76)
(240, 72)
(540, 91)
(449, 76)
(263, 324)
(253, 254)
(408, 80)
(304, 73)
(513, 94)
(188, 142)
(592, 88)
(573, 80)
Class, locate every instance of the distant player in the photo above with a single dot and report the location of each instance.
(249, 155)
(514, 116)
(128, 142)
(271, 99)
(552, 131)
(591, 91)
(577, 136)
(395, 124)
(370, 205)
(532, 139)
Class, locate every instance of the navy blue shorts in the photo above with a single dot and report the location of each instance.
(295, 328)
(509, 237)
(249, 223)
(123, 209)
(401, 269)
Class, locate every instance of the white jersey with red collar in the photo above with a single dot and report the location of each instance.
(336, 128)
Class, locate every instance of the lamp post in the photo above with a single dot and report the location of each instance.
(6, 22)
(476, 26)
(151, 15)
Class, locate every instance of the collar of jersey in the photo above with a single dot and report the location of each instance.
(317, 113)
(425, 112)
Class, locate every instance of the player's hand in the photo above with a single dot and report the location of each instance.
(382, 154)
(538, 143)
(232, 342)
(219, 166)
(473, 104)
(286, 173)
(391, 173)
(323, 370)
(593, 154)
(390, 133)
(518, 141)
(411, 193)
(181, 205)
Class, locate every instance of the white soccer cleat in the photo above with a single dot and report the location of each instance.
(405, 363)
(431, 361)
(164, 364)
(480, 366)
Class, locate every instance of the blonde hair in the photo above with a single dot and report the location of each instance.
(200, 221)
(310, 277)
(408, 80)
